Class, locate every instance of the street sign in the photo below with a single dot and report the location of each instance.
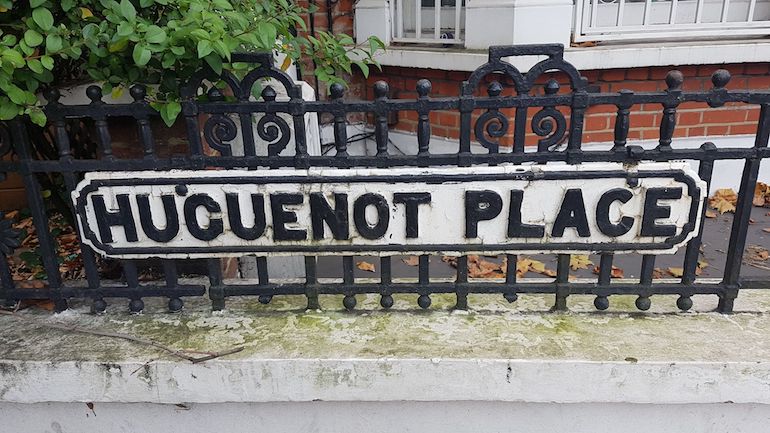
(555, 208)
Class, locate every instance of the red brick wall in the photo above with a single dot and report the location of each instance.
(693, 120)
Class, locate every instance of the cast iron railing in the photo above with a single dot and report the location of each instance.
(219, 116)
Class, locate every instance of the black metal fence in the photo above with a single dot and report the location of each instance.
(211, 124)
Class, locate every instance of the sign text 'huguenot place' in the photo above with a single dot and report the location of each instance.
(650, 207)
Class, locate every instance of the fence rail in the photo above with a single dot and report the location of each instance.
(212, 124)
(607, 20)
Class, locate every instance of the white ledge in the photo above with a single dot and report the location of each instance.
(494, 352)
(599, 57)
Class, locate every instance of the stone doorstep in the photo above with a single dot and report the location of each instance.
(493, 352)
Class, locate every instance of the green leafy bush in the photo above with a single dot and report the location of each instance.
(46, 43)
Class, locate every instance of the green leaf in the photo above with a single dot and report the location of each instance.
(16, 94)
(141, 55)
(155, 35)
(363, 67)
(36, 3)
(47, 62)
(33, 38)
(215, 62)
(204, 48)
(128, 10)
(43, 18)
(8, 110)
(35, 65)
(37, 117)
(53, 43)
(169, 111)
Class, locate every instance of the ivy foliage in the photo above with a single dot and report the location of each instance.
(47, 43)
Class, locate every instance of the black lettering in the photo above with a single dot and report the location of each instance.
(236, 220)
(480, 206)
(572, 214)
(411, 202)
(281, 217)
(123, 217)
(653, 211)
(603, 213)
(321, 213)
(191, 205)
(145, 217)
(379, 228)
(515, 227)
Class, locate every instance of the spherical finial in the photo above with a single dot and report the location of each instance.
(424, 87)
(215, 95)
(424, 301)
(265, 299)
(601, 303)
(381, 89)
(386, 301)
(99, 306)
(674, 80)
(708, 146)
(511, 297)
(138, 92)
(94, 93)
(684, 303)
(52, 95)
(336, 90)
(551, 87)
(136, 306)
(268, 94)
(175, 305)
(720, 78)
(643, 303)
(494, 89)
(349, 302)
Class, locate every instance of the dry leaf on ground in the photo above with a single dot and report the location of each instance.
(710, 214)
(724, 200)
(411, 261)
(365, 266)
(616, 272)
(579, 261)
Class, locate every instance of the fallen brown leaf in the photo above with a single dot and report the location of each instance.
(676, 272)
(711, 214)
(724, 200)
(411, 261)
(365, 266)
(579, 261)
(616, 272)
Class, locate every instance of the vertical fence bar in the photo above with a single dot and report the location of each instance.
(645, 281)
(705, 170)
(623, 121)
(519, 129)
(139, 92)
(34, 193)
(247, 134)
(461, 283)
(263, 278)
(511, 267)
(216, 284)
(740, 225)
(386, 279)
(423, 120)
(562, 282)
(348, 280)
(602, 302)
(311, 283)
(674, 80)
(175, 303)
(381, 90)
(297, 107)
(337, 91)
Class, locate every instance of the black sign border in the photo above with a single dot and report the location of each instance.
(693, 191)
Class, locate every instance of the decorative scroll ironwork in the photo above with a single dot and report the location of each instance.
(557, 116)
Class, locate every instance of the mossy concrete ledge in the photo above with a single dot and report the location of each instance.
(494, 352)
